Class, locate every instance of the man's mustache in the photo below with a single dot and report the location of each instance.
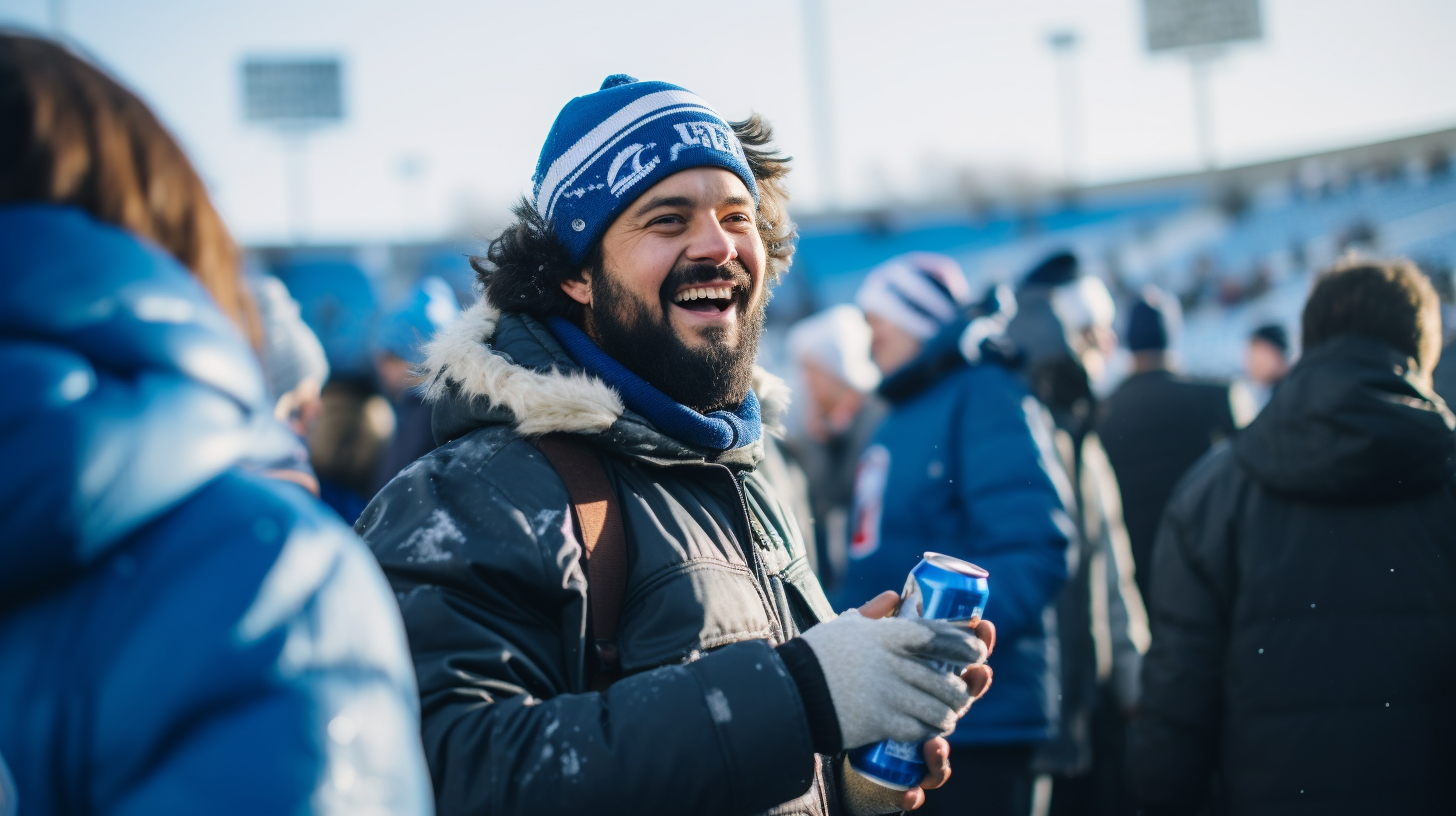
(732, 272)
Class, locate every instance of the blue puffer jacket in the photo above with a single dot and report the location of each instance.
(176, 636)
(965, 465)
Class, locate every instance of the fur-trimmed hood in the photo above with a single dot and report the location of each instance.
(492, 367)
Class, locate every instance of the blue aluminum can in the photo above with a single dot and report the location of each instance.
(939, 588)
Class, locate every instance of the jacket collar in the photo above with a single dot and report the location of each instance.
(505, 368)
(1351, 423)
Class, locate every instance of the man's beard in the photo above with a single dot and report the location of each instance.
(640, 336)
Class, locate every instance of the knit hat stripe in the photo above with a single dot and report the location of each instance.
(876, 297)
(920, 292)
(602, 137)
(587, 165)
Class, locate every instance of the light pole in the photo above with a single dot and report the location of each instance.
(295, 97)
(1201, 31)
(295, 164)
(1063, 43)
(816, 59)
(1200, 64)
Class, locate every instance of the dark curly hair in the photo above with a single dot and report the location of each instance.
(524, 267)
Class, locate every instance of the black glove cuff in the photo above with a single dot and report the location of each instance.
(804, 667)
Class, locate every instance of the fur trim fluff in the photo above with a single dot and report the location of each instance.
(773, 399)
(549, 402)
(540, 403)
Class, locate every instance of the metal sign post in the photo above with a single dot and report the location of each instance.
(816, 59)
(1199, 30)
(1199, 63)
(1064, 45)
(295, 97)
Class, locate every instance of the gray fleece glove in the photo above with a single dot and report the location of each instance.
(883, 678)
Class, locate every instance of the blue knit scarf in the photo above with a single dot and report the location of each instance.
(720, 430)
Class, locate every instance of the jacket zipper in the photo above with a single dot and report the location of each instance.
(754, 562)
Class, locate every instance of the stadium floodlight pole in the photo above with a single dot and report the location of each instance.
(816, 63)
(295, 158)
(1200, 64)
(1200, 30)
(1063, 43)
(295, 96)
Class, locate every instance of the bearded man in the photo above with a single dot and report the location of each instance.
(622, 314)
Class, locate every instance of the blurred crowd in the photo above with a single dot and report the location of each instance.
(250, 565)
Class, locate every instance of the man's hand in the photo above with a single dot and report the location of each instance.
(977, 676)
(978, 679)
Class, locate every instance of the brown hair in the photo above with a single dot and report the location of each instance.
(523, 269)
(71, 135)
(1390, 301)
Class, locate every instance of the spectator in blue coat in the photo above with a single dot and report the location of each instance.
(177, 635)
(964, 465)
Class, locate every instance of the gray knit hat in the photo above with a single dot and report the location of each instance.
(291, 352)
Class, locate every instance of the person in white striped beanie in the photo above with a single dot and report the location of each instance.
(908, 300)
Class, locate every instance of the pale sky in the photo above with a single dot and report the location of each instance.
(466, 91)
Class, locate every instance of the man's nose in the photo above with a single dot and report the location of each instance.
(710, 243)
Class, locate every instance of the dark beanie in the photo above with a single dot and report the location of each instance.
(1273, 334)
(1152, 322)
(1059, 268)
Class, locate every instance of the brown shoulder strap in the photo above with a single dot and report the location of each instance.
(603, 540)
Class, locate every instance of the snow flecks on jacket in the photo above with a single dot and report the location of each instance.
(718, 706)
(547, 519)
(425, 543)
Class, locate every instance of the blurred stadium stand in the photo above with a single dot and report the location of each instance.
(1237, 246)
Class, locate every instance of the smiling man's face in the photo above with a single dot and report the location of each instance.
(680, 293)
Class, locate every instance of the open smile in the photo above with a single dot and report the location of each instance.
(706, 299)
(715, 302)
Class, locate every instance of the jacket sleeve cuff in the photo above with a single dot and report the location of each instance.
(760, 722)
(808, 675)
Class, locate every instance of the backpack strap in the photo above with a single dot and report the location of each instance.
(603, 540)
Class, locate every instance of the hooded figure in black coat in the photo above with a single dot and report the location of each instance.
(1159, 422)
(1321, 542)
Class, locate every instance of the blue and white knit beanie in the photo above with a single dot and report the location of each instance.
(919, 293)
(608, 147)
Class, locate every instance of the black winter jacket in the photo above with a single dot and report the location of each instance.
(1304, 605)
(1154, 427)
(476, 539)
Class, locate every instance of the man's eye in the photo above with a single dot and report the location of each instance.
(666, 220)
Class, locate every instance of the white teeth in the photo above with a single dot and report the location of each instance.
(698, 293)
